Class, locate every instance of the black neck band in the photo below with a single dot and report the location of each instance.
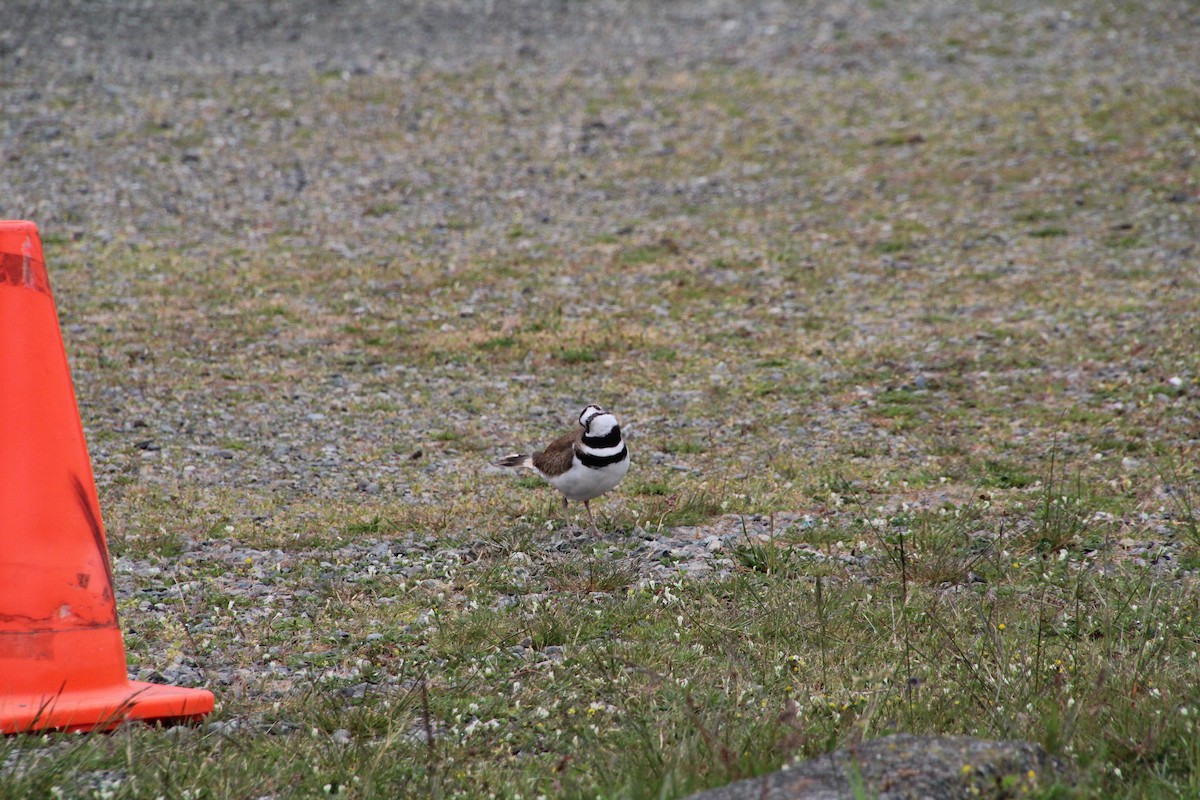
(596, 462)
(610, 439)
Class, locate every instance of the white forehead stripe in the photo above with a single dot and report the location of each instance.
(589, 413)
(601, 424)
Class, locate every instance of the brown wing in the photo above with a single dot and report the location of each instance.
(556, 458)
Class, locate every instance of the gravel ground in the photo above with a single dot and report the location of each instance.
(192, 128)
(148, 125)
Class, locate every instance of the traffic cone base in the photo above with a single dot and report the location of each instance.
(87, 699)
(62, 660)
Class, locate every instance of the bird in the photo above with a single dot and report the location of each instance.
(582, 464)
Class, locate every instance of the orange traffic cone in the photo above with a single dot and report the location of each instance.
(62, 660)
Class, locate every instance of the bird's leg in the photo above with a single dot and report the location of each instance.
(566, 516)
(591, 519)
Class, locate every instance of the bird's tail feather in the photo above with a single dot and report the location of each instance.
(516, 460)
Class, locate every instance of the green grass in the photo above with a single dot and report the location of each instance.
(674, 687)
(578, 355)
(1048, 232)
(1005, 475)
(649, 253)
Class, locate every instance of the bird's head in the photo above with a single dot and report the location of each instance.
(596, 421)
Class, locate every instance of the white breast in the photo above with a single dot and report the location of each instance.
(584, 483)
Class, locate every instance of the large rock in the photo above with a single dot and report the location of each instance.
(905, 767)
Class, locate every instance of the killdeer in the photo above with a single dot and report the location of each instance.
(583, 464)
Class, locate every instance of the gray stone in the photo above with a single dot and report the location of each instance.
(906, 767)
